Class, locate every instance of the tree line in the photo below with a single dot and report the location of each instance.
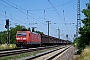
(12, 31)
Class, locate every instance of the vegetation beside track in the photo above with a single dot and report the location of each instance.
(84, 39)
(85, 54)
(5, 46)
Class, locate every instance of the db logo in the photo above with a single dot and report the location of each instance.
(21, 38)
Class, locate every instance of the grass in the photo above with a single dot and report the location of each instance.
(77, 58)
(18, 56)
(5, 46)
(85, 55)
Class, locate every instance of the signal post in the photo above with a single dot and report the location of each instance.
(7, 27)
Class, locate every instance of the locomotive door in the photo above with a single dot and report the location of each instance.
(29, 38)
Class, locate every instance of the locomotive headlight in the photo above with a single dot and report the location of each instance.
(24, 38)
(18, 38)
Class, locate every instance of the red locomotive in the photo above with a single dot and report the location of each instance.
(27, 38)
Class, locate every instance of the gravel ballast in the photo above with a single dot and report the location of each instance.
(68, 55)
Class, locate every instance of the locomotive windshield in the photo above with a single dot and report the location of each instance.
(21, 34)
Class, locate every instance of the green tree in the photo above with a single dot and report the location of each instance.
(29, 29)
(84, 31)
(3, 36)
(39, 32)
(13, 32)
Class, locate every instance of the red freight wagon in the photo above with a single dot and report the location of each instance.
(49, 40)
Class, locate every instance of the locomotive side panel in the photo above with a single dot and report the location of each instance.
(34, 38)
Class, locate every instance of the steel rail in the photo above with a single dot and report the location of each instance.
(13, 52)
(48, 52)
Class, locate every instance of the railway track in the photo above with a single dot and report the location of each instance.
(49, 55)
(13, 52)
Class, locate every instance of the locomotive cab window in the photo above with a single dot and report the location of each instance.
(21, 34)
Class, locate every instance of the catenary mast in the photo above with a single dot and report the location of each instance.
(78, 18)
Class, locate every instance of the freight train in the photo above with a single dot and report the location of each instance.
(28, 38)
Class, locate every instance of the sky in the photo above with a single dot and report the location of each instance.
(29, 12)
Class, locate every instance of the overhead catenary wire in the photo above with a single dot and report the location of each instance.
(56, 10)
(11, 5)
(65, 21)
(44, 15)
(4, 5)
(45, 8)
(41, 9)
(27, 10)
(12, 18)
(23, 12)
(14, 15)
(58, 14)
(15, 19)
